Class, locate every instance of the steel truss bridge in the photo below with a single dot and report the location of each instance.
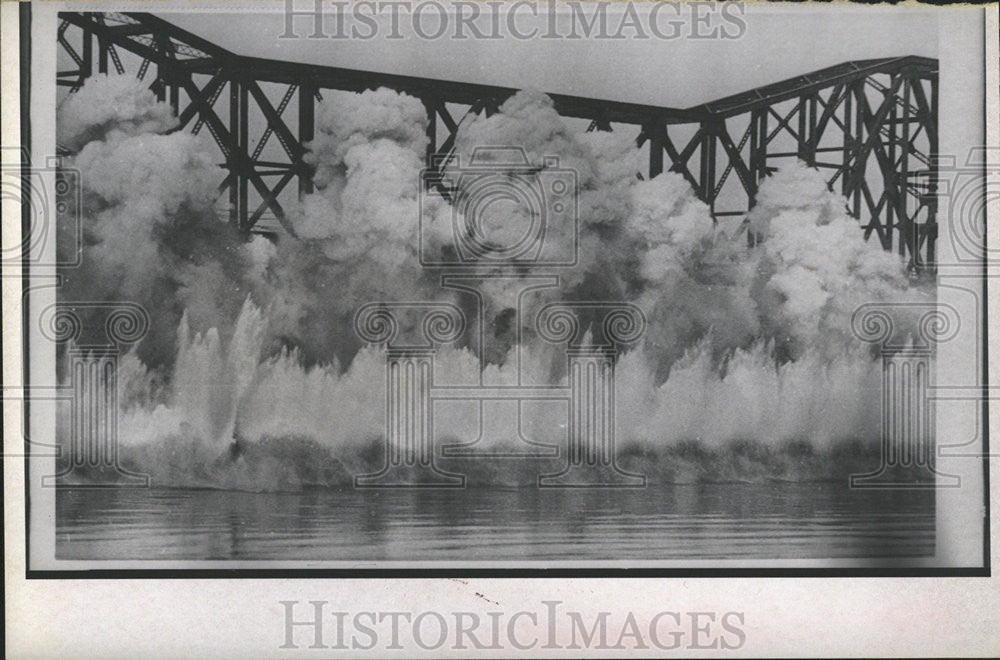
(871, 124)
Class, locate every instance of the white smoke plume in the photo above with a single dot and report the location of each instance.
(266, 355)
(816, 267)
(111, 103)
(358, 230)
(151, 233)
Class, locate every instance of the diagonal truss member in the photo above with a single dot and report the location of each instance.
(871, 124)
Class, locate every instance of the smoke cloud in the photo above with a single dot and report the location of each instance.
(252, 341)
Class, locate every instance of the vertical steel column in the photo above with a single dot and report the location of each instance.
(430, 105)
(908, 229)
(656, 133)
(890, 181)
(707, 164)
(232, 162)
(856, 171)
(243, 155)
(848, 141)
(801, 140)
(807, 129)
(763, 137)
(162, 69)
(159, 85)
(102, 55)
(175, 100)
(87, 68)
(758, 161)
(756, 153)
(930, 227)
(307, 131)
(812, 126)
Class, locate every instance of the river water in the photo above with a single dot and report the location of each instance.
(772, 520)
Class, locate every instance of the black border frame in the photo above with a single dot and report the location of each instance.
(24, 28)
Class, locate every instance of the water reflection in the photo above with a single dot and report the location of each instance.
(704, 521)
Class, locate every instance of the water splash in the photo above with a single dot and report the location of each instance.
(232, 419)
(748, 369)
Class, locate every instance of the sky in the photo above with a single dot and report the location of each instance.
(779, 42)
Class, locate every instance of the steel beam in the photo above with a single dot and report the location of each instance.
(879, 196)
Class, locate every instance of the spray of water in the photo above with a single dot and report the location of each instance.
(253, 378)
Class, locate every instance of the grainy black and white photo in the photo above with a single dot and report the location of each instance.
(505, 286)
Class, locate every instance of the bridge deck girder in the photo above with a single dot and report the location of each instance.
(729, 146)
